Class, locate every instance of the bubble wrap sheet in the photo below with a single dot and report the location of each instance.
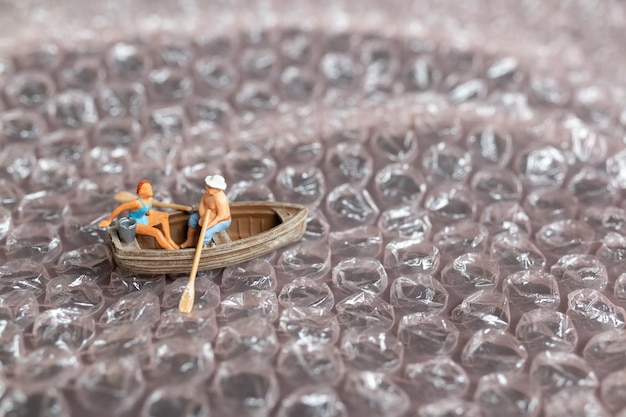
(464, 168)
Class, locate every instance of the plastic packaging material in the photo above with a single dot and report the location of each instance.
(398, 184)
(464, 179)
(77, 294)
(592, 312)
(359, 274)
(426, 335)
(609, 253)
(179, 361)
(606, 352)
(315, 401)
(494, 185)
(351, 207)
(364, 241)
(247, 166)
(44, 367)
(612, 391)
(491, 144)
(549, 205)
(505, 216)
(305, 186)
(450, 202)
(580, 271)
(257, 274)
(619, 290)
(365, 311)
(418, 294)
(461, 238)
(605, 220)
(374, 394)
(514, 395)
(182, 400)
(372, 351)
(437, 378)
(546, 330)
(306, 259)
(542, 166)
(527, 290)
(251, 303)
(6, 222)
(571, 401)
(245, 388)
(207, 293)
(39, 242)
(348, 163)
(593, 186)
(307, 293)
(123, 282)
(446, 162)
(64, 329)
(253, 336)
(309, 325)
(515, 252)
(394, 143)
(173, 323)
(303, 363)
(139, 308)
(20, 307)
(50, 402)
(492, 350)
(12, 337)
(411, 257)
(115, 384)
(317, 228)
(556, 371)
(43, 206)
(484, 309)
(405, 222)
(93, 261)
(450, 407)
(563, 238)
(469, 273)
(124, 341)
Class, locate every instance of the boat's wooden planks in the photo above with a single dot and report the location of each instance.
(274, 225)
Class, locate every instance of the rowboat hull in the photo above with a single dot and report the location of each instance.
(257, 228)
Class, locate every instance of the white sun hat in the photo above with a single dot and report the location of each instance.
(215, 181)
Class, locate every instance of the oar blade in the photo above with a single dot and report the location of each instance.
(187, 299)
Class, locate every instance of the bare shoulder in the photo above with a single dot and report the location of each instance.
(222, 201)
(133, 205)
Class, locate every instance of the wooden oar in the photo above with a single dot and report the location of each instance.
(125, 196)
(186, 300)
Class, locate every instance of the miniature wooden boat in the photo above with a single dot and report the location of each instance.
(257, 228)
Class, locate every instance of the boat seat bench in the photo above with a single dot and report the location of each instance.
(221, 238)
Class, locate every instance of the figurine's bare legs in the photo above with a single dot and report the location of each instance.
(143, 229)
(192, 237)
(162, 218)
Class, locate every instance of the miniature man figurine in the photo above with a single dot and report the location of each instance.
(141, 210)
(213, 204)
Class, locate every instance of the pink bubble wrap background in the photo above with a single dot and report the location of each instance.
(464, 168)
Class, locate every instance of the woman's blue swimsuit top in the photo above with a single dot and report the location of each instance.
(140, 215)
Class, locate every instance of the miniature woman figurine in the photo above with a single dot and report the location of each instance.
(213, 204)
(141, 210)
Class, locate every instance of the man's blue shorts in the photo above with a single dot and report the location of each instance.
(211, 231)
